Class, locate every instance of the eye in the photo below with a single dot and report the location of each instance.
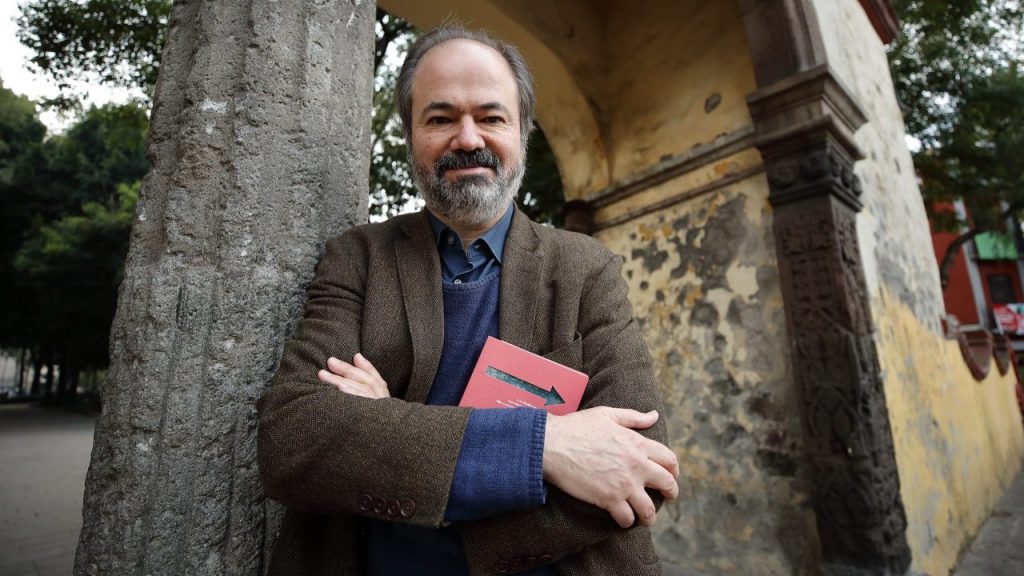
(494, 120)
(437, 120)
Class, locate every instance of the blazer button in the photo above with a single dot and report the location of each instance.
(407, 508)
(501, 567)
(546, 558)
(531, 560)
(365, 503)
(380, 505)
(394, 508)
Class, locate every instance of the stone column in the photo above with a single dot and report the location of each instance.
(805, 126)
(260, 152)
(805, 121)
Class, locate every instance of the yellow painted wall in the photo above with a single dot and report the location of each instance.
(959, 442)
(665, 61)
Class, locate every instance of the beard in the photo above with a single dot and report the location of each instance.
(474, 200)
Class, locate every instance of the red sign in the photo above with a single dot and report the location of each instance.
(1009, 318)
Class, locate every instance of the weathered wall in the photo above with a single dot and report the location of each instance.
(958, 441)
(705, 288)
(704, 284)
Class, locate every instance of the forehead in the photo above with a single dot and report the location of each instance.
(463, 72)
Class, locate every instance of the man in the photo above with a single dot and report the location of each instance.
(380, 472)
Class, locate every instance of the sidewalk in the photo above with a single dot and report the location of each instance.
(999, 548)
(44, 455)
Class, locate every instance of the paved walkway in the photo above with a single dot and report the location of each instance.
(999, 548)
(44, 455)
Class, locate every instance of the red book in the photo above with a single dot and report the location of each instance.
(506, 376)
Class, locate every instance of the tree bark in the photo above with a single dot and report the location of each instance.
(50, 389)
(258, 145)
(37, 373)
(21, 371)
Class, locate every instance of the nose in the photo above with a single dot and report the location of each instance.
(468, 137)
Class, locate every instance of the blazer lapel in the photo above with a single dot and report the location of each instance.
(520, 283)
(419, 271)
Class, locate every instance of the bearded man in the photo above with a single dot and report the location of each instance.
(381, 472)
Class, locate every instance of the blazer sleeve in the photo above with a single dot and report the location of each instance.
(616, 358)
(320, 450)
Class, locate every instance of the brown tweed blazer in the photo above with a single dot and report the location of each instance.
(332, 458)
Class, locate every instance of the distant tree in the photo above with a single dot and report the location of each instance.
(71, 269)
(956, 70)
(67, 209)
(21, 142)
(391, 189)
(115, 41)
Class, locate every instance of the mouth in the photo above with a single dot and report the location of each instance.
(482, 162)
(468, 171)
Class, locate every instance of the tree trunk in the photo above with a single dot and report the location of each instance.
(61, 396)
(50, 386)
(37, 373)
(21, 371)
(259, 153)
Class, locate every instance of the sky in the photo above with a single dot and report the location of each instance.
(21, 79)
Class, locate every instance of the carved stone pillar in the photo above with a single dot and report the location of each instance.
(260, 151)
(804, 130)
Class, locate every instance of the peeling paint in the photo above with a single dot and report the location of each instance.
(704, 286)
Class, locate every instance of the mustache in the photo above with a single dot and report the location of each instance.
(460, 159)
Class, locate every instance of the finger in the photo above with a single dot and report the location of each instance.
(660, 479)
(342, 383)
(632, 418)
(663, 455)
(361, 362)
(342, 368)
(643, 507)
(622, 513)
(378, 382)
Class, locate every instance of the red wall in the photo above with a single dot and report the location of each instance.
(957, 295)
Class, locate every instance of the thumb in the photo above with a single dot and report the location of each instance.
(632, 418)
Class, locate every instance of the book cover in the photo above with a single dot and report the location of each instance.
(506, 376)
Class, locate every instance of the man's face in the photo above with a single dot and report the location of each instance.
(466, 147)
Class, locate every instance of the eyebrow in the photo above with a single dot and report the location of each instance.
(448, 106)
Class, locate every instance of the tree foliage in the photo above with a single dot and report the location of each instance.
(957, 74)
(68, 204)
(115, 41)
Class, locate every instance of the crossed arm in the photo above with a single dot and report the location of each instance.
(594, 455)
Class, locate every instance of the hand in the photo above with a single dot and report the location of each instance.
(595, 455)
(359, 378)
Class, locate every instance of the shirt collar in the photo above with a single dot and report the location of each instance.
(493, 238)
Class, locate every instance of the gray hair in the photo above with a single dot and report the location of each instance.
(448, 32)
